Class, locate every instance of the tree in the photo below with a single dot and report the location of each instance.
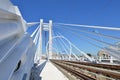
(89, 54)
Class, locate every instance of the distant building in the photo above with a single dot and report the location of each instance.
(104, 56)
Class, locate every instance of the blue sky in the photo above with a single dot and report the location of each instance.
(91, 12)
(88, 12)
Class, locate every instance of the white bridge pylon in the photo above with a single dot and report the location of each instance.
(18, 49)
(45, 27)
(49, 47)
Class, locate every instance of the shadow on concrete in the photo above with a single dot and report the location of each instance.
(36, 71)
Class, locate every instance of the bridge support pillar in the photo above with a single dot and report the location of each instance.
(50, 40)
(40, 38)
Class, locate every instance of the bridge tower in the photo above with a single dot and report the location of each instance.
(40, 38)
(46, 27)
(50, 40)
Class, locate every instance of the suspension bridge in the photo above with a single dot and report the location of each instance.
(56, 51)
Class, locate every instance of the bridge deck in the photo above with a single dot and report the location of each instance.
(50, 72)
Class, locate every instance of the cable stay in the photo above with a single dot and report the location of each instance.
(91, 43)
(112, 51)
(82, 52)
(68, 47)
(97, 34)
(35, 31)
(87, 26)
(106, 43)
(36, 37)
(88, 37)
(32, 24)
(55, 42)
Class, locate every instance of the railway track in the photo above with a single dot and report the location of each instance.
(105, 66)
(74, 72)
(95, 69)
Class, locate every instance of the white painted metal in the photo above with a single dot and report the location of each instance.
(75, 56)
(83, 53)
(54, 38)
(17, 46)
(40, 40)
(87, 26)
(70, 50)
(35, 31)
(50, 40)
(89, 58)
(36, 37)
(55, 42)
(45, 26)
(32, 24)
(64, 45)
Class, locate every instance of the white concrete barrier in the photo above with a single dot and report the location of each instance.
(17, 49)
